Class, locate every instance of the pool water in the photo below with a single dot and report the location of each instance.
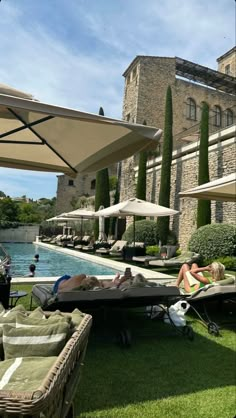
(51, 263)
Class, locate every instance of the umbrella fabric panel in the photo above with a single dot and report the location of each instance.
(80, 213)
(65, 140)
(136, 207)
(223, 189)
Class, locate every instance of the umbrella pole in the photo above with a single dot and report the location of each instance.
(134, 231)
(81, 228)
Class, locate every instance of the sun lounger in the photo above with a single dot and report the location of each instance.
(74, 240)
(117, 249)
(85, 241)
(200, 300)
(131, 297)
(108, 300)
(186, 257)
(145, 259)
(140, 296)
(54, 240)
(105, 246)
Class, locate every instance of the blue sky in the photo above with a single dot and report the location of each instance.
(73, 53)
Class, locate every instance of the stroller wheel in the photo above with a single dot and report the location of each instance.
(125, 338)
(213, 329)
(188, 331)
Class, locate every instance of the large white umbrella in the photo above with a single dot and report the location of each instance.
(44, 137)
(223, 189)
(135, 207)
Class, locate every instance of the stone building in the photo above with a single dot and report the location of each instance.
(146, 82)
(69, 190)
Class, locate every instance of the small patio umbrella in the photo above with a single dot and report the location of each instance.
(79, 214)
(135, 207)
(223, 189)
(44, 137)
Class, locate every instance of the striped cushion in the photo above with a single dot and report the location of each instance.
(26, 321)
(19, 308)
(8, 318)
(24, 374)
(34, 341)
(2, 309)
(37, 313)
(76, 317)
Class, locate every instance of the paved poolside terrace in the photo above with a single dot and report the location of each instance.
(108, 262)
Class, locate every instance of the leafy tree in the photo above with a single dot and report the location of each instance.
(115, 220)
(29, 213)
(164, 194)
(102, 194)
(204, 206)
(9, 210)
(2, 194)
(112, 182)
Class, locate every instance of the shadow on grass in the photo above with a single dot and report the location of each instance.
(158, 366)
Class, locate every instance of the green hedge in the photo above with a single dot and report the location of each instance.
(145, 231)
(214, 241)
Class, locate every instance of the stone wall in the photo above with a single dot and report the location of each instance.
(184, 175)
(20, 234)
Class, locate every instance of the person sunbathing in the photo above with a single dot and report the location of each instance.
(83, 282)
(193, 279)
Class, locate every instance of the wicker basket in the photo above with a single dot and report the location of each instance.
(55, 396)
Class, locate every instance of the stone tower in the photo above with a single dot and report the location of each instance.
(227, 62)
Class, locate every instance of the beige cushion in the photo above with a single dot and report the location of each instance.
(34, 341)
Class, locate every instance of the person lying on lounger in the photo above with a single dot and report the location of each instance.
(192, 278)
(83, 282)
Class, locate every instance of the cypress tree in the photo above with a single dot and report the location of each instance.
(204, 206)
(142, 177)
(102, 194)
(164, 195)
(114, 221)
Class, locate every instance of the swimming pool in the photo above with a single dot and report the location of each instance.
(51, 263)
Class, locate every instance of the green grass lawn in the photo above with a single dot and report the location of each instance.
(162, 374)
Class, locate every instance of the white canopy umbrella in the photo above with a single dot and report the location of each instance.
(44, 137)
(223, 189)
(80, 213)
(61, 219)
(64, 220)
(135, 207)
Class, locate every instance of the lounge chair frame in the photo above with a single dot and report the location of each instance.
(108, 300)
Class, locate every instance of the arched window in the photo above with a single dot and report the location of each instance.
(229, 117)
(191, 109)
(217, 120)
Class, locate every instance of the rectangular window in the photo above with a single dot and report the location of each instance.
(227, 69)
(70, 182)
